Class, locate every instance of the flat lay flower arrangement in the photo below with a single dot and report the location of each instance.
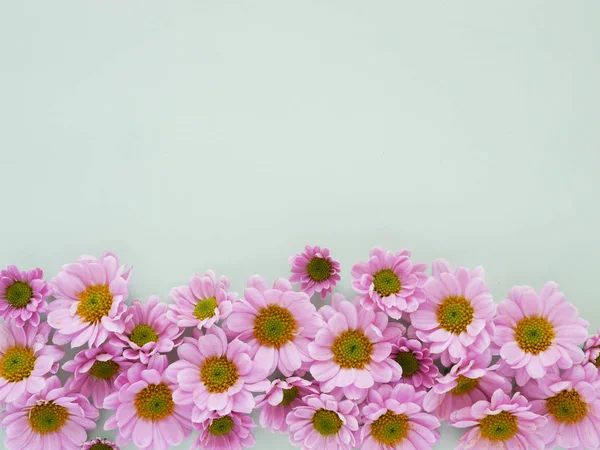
(377, 372)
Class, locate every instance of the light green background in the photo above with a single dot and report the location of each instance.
(226, 134)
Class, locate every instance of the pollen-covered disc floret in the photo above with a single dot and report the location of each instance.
(567, 407)
(17, 363)
(154, 402)
(47, 417)
(534, 334)
(274, 326)
(455, 314)
(315, 271)
(352, 349)
(23, 295)
(218, 373)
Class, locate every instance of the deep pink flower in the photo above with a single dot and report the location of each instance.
(414, 357)
(390, 282)
(315, 271)
(145, 411)
(95, 371)
(22, 295)
(592, 349)
(99, 444)
(537, 333)
(25, 359)
(502, 423)
(202, 303)
(90, 299)
(394, 419)
(230, 432)
(53, 419)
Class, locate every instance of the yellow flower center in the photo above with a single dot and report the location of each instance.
(352, 349)
(455, 314)
(18, 294)
(47, 417)
(499, 427)
(218, 374)
(274, 326)
(390, 429)
(534, 334)
(17, 363)
(465, 385)
(154, 402)
(94, 303)
(142, 334)
(319, 269)
(326, 422)
(386, 283)
(567, 407)
(205, 308)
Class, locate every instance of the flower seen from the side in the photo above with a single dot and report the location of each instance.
(592, 349)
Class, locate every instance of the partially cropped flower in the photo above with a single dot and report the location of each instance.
(278, 401)
(230, 432)
(538, 333)
(394, 419)
(214, 375)
(25, 359)
(99, 444)
(53, 419)
(276, 323)
(502, 423)
(458, 315)
(414, 357)
(147, 331)
(145, 411)
(22, 295)
(469, 381)
(571, 403)
(592, 349)
(390, 282)
(202, 303)
(324, 422)
(351, 351)
(90, 299)
(95, 371)
(315, 270)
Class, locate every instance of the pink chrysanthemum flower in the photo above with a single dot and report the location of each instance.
(469, 381)
(276, 323)
(537, 333)
(390, 282)
(571, 403)
(99, 444)
(278, 401)
(22, 295)
(215, 375)
(53, 419)
(352, 351)
(418, 368)
(25, 359)
(90, 299)
(592, 349)
(145, 411)
(458, 314)
(230, 432)
(324, 422)
(394, 419)
(502, 423)
(202, 303)
(315, 271)
(147, 331)
(95, 371)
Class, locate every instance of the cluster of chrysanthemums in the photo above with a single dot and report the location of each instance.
(378, 372)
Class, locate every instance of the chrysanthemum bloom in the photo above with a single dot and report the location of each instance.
(280, 398)
(457, 315)
(390, 282)
(95, 371)
(25, 359)
(571, 403)
(502, 423)
(315, 270)
(230, 432)
(22, 295)
(539, 332)
(145, 411)
(202, 303)
(99, 444)
(592, 349)
(394, 419)
(324, 422)
(418, 368)
(468, 382)
(53, 419)
(147, 332)
(215, 375)
(90, 299)
(276, 323)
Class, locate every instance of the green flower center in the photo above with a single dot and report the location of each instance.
(274, 326)
(205, 308)
(465, 385)
(319, 269)
(352, 349)
(597, 362)
(18, 294)
(499, 427)
(154, 402)
(289, 395)
(104, 369)
(567, 407)
(386, 282)
(218, 374)
(142, 334)
(100, 446)
(326, 422)
(409, 363)
(94, 303)
(534, 334)
(390, 429)
(17, 363)
(455, 314)
(221, 426)
(47, 417)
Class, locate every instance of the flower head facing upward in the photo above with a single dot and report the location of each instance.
(230, 432)
(418, 368)
(22, 295)
(99, 444)
(592, 349)
(315, 270)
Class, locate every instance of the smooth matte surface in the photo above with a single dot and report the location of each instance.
(193, 135)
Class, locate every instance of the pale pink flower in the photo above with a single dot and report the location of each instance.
(414, 357)
(99, 444)
(592, 349)
(230, 432)
(22, 295)
(315, 271)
